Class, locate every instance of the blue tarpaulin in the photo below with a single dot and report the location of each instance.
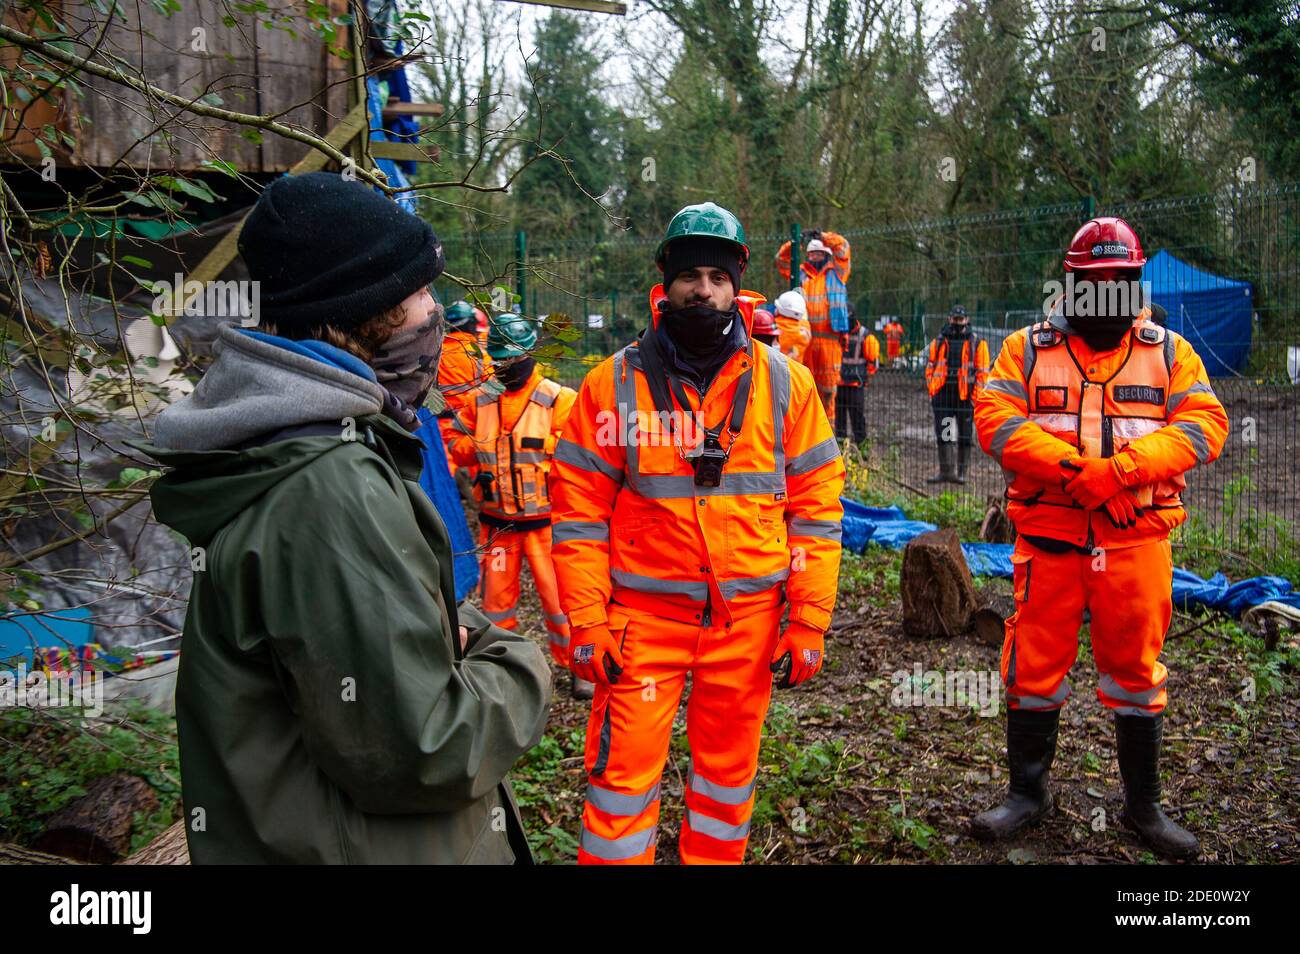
(441, 488)
(889, 527)
(1212, 312)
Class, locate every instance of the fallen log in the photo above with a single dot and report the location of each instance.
(97, 827)
(169, 848)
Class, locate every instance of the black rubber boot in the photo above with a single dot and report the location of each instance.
(963, 462)
(947, 457)
(1137, 743)
(1031, 746)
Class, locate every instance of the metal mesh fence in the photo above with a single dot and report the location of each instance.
(1247, 504)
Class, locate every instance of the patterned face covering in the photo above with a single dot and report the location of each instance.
(407, 364)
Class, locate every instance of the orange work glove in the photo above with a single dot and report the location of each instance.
(1123, 510)
(799, 655)
(594, 655)
(1091, 481)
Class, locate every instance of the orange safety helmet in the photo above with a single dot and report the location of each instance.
(1105, 242)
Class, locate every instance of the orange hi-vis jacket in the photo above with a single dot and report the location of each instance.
(793, 336)
(893, 332)
(1050, 397)
(515, 436)
(814, 281)
(462, 369)
(630, 525)
(861, 358)
(973, 367)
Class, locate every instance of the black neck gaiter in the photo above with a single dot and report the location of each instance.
(515, 376)
(701, 338)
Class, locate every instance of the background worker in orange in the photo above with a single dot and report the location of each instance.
(1094, 417)
(825, 275)
(894, 334)
(672, 565)
(957, 366)
(514, 441)
(794, 332)
(462, 371)
(861, 359)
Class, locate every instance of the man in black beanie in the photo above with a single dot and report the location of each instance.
(334, 704)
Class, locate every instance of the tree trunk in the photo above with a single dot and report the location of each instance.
(938, 594)
(97, 826)
(169, 848)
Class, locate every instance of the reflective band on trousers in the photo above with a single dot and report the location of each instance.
(616, 803)
(498, 615)
(715, 828)
(725, 794)
(1111, 688)
(618, 849)
(1038, 702)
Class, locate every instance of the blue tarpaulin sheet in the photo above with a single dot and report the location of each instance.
(441, 488)
(889, 527)
(1212, 312)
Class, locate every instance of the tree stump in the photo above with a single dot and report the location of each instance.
(97, 826)
(938, 594)
(169, 848)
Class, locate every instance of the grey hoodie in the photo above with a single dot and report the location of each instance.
(255, 388)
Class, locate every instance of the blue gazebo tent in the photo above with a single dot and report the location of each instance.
(1212, 312)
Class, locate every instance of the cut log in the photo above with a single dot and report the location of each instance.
(11, 854)
(169, 848)
(939, 597)
(97, 826)
(991, 620)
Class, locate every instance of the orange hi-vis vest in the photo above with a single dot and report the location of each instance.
(974, 365)
(1100, 418)
(893, 339)
(520, 461)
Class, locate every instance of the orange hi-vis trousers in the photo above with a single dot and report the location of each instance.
(630, 729)
(1128, 592)
(824, 358)
(503, 553)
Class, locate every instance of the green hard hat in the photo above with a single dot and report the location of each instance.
(459, 314)
(510, 336)
(706, 220)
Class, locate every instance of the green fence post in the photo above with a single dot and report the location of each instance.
(521, 261)
(794, 255)
(1089, 207)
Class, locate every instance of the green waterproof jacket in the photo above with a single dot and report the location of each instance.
(323, 709)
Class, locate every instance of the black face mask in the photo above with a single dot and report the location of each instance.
(699, 332)
(1102, 334)
(515, 376)
(954, 330)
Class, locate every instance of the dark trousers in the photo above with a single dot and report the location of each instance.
(949, 408)
(850, 406)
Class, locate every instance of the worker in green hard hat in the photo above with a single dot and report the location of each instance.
(687, 527)
(462, 371)
(515, 433)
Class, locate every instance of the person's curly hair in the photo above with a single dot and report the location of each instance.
(362, 341)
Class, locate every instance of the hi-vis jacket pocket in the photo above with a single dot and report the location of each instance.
(1022, 565)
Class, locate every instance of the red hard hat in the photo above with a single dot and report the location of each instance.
(764, 322)
(1106, 242)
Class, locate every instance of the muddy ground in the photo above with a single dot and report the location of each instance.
(846, 777)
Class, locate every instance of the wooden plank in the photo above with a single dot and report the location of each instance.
(590, 6)
(396, 108)
(403, 151)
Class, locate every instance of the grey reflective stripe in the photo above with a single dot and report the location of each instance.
(559, 619)
(1031, 353)
(1197, 437)
(813, 457)
(1200, 387)
(694, 589)
(828, 529)
(1053, 701)
(1004, 386)
(715, 828)
(579, 530)
(753, 584)
(486, 457)
(1003, 434)
(529, 457)
(778, 376)
(486, 399)
(575, 455)
(1135, 711)
(545, 400)
(1170, 352)
(726, 794)
(671, 486)
(1113, 689)
(498, 615)
(558, 639)
(616, 803)
(625, 400)
(618, 849)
